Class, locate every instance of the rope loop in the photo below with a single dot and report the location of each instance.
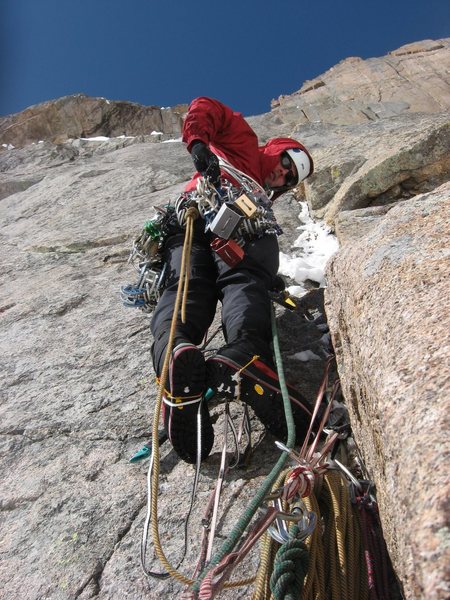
(154, 467)
(290, 568)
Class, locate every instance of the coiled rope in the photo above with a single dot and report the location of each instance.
(268, 551)
(337, 552)
(290, 568)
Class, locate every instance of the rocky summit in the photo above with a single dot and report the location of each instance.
(79, 177)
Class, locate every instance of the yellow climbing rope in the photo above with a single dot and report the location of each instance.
(181, 296)
(182, 290)
(336, 561)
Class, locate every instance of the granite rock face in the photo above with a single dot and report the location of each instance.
(77, 383)
(370, 164)
(390, 329)
(78, 388)
(81, 116)
(377, 163)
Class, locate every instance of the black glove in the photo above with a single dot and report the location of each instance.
(206, 162)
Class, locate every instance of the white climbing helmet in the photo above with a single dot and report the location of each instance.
(302, 162)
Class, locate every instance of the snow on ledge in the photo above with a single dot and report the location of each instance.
(311, 251)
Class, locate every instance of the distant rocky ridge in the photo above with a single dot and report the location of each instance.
(81, 116)
(78, 386)
(412, 79)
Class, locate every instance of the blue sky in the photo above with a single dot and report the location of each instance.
(165, 52)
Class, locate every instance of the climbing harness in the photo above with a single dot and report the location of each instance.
(236, 213)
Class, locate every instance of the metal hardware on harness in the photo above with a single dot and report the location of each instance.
(146, 292)
(246, 205)
(244, 195)
(283, 298)
(146, 255)
(228, 250)
(226, 221)
(305, 520)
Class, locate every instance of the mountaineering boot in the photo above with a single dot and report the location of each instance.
(232, 373)
(187, 375)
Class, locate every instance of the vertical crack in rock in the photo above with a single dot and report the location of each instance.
(95, 577)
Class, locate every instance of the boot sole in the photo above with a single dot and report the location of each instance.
(258, 380)
(187, 377)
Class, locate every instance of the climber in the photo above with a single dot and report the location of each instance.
(213, 130)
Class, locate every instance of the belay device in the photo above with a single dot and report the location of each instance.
(146, 256)
(225, 225)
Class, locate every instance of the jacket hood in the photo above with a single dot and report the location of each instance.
(270, 155)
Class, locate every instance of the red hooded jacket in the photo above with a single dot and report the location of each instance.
(229, 136)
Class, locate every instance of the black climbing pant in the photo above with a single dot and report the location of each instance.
(243, 291)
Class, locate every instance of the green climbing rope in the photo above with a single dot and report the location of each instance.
(290, 568)
(266, 487)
